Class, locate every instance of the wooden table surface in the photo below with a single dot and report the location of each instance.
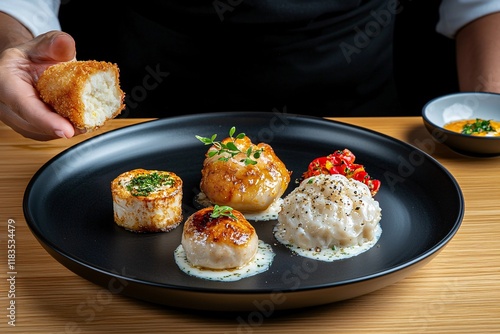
(457, 292)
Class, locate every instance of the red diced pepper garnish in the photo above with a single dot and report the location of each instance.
(342, 162)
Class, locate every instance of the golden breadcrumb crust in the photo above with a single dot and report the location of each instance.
(160, 211)
(61, 87)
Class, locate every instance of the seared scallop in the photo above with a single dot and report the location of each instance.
(246, 187)
(147, 200)
(218, 241)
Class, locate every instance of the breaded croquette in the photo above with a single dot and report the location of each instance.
(87, 93)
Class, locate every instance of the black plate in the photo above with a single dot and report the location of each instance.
(68, 207)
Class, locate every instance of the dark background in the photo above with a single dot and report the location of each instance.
(424, 61)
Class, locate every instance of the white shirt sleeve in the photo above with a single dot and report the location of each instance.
(39, 16)
(454, 14)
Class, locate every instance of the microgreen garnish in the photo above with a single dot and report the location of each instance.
(223, 210)
(144, 184)
(230, 149)
(478, 126)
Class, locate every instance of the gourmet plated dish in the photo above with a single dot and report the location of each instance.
(147, 200)
(330, 215)
(247, 177)
(87, 93)
(218, 243)
(81, 194)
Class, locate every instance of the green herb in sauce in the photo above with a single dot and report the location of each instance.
(479, 126)
(145, 184)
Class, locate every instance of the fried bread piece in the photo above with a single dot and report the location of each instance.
(87, 93)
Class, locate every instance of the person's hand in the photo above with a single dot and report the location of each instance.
(20, 105)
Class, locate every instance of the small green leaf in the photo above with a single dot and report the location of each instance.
(230, 147)
(257, 153)
(204, 140)
(223, 210)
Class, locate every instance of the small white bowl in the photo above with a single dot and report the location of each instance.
(466, 105)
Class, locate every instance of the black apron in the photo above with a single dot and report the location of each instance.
(322, 58)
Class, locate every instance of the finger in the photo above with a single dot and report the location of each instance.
(22, 108)
(21, 126)
(62, 47)
(30, 129)
(56, 46)
(39, 115)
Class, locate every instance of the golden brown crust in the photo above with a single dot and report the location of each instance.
(247, 188)
(159, 211)
(61, 87)
(224, 230)
(219, 242)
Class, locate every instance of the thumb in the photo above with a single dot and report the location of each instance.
(54, 46)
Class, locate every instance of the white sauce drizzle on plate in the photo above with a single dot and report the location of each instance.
(329, 254)
(260, 263)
